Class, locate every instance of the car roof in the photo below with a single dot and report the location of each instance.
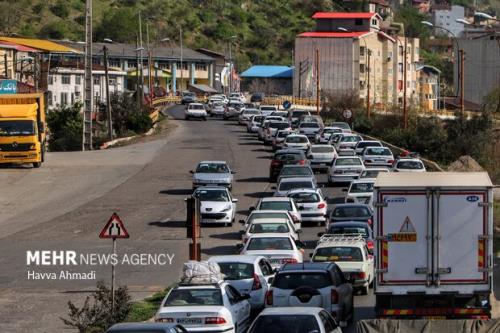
(318, 145)
(302, 190)
(307, 266)
(346, 157)
(136, 327)
(302, 135)
(377, 169)
(270, 199)
(344, 205)
(371, 141)
(296, 166)
(268, 211)
(349, 224)
(289, 151)
(413, 159)
(248, 259)
(291, 311)
(296, 179)
(264, 220)
(213, 162)
(270, 235)
(362, 180)
(210, 188)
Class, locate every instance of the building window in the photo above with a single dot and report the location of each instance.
(131, 64)
(361, 84)
(72, 98)
(400, 67)
(400, 84)
(184, 65)
(96, 61)
(64, 99)
(112, 80)
(201, 67)
(66, 79)
(401, 50)
(389, 70)
(78, 79)
(51, 79)
(362, 51)
(49, 97)
(114, 63)
(361, 68)
(164, 65)
(374, 22)
(358, 21)
(97, 80)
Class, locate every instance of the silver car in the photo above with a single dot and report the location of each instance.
(345, 169)
(324, 135)
(244, 116)
(288, 184)
(279, 139)
(217, 109)
(378, 156)
(309, 129)
(253, 124)
(273, 127)
(321, 156)
(297, 141)
(212, 173)
(361, 145)
(347, 143)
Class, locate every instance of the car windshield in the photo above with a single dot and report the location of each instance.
(196, 107)
(294, 280)
(298, 114)
(305, 197)
(414, 165)
(296, 171)
(276, 205)
(338, 253)
(371, 173)
(335, 137)
(350, 138)
(236, 270)
(283, 134)
(361, 188)
(212, 168)
(285, 323)
(268, 108)
(309, 125)
(296, 139)
(270, 215)
(257, 119)
(236, 105)
(17, 128)
(287, 186)
(341, 125)
(279, 125)
(336, 230)
(192, 297)
(378, 151)
(363, 144)
(322, 149)
(288, 157)
(332, 130)
(269, 243)
(348, 161)
(352, 212)
(251, 112)
(261, 228)
(212, 195)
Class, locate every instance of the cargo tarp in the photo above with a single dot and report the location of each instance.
(428, 326)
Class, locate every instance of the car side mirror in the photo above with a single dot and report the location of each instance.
(251, 208)
(235, 200)
(241, 221)
(270, 279)
(273, 187)
(320, 234)
(233, 172)
(191, 171)
(299, 231)
(309, 156)
(300, 244)
(239, 247)
(301, 207)
(310, 255)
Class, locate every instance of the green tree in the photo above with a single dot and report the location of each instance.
(412, 21)
(60, 8)
(66, 128)
(119, 24)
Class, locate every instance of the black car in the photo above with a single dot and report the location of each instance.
(352, 228)
(351, 212)
(257, 98)
(188, 97)
(285, 157)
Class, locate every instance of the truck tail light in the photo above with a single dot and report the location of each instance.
(256, 283)
(334, 296)
(321, 205)
(214, 321)
(369, 245)
(269, 297)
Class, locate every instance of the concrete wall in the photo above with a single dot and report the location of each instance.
(446, 19)
(481, 66)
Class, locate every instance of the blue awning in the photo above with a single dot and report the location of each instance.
(263, 71)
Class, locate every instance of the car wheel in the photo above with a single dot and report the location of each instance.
(37, 164)
(186, 117)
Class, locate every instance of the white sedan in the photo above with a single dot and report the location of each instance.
(206, 308)
(360, 191)
(297, 141)
(311, 203)
(345, 169)
(217, 204)
(195, 110)
(408, 165)
(278, 249)
(280, 226)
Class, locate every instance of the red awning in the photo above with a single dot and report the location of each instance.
(350, 34)
(343, 15)
(20, 48)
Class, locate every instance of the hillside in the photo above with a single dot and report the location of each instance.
(265, 29)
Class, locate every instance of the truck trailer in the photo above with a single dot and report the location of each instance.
(434, 245)
(22, 129)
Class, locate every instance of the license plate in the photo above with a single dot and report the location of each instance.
(189, 321)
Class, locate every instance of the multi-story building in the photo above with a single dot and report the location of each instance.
(446, 17)
(429, 87)
(355, 56)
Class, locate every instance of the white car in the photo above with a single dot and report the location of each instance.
(321, 156)
(195, 110)
(279, 139)
(361, 145)
(246, 114)
(351, 254)
(270, 226)
(324, 135)
(347, 143)
(408, 165)
(248, 274)
(254, 123)
(217, 204)
(280, 204)
(372, 173)
(296, 141)
(377, 157)
(217, 109)
(286, 185)
(269, 214)
(309, 129)
(216, 307)
(294, 319)
(266, 110)
(238, 96)
(343, 125)
(273, 127)
(278, 249)
(345, 169)
(312, 205)
(360, 191)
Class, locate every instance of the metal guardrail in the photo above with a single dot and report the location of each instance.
(278, 100)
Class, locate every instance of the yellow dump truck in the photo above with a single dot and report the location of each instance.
(22, 129)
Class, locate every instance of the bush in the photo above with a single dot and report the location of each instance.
(126, 117)
(139, 122)
(60, 8)
(66, 128)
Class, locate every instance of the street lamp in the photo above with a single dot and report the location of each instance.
(486, 16)
(460, 64)
(108, 98)
(463, 21)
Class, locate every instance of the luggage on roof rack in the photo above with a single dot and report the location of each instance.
(201, 272)
(341, 238)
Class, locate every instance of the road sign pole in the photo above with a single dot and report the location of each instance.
(113, 278)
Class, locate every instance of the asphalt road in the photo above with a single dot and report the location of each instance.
(64, 205)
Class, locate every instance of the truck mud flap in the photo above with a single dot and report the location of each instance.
(427, 326)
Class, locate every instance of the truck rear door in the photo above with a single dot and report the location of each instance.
(404, 249)
(461, 229)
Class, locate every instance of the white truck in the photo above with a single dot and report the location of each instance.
(434, 245)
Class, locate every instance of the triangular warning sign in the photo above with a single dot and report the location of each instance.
(407, 226)
(114, 228)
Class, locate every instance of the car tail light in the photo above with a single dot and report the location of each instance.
(289, 261)
(269, 297)
(361, 275)
(256, 283)
(275, 163)
(369, 245)
(370, 222)
(390, 161)
(215, 320)
(321, 205)
(302, 162)
(164, 320)
(334, 296)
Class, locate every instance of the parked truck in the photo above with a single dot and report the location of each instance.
(22, 129)
(434, 245)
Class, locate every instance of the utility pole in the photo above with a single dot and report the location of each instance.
(138, 89)
(182, 66)
(368, 111)
(317, 81)
(108, 97)
(462, 85)
(150, 83)
(230, 68)
(300, 78)
(5, 65)
(141, 59)
(405, 111)
(89, 96)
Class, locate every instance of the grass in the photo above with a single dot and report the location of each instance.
(146, 309)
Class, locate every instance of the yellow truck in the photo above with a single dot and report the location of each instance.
(22, 129)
